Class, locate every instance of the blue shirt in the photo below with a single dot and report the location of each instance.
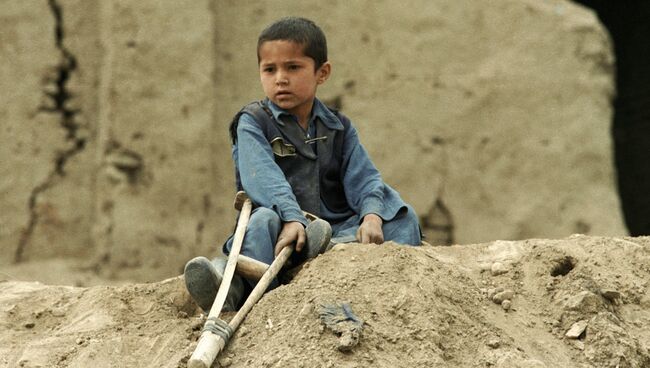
(265, 183)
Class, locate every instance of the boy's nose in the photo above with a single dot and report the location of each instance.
(281, 81)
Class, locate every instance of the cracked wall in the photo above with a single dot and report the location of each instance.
(40, 138)
(491, 119)
(60, 207)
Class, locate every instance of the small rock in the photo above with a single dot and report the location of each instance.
(79, 341)
(306, 310)
(498, 268)
(576, 329)
(585, 302)
(498, 298)
(225, 362)
(339, 247)
(494, 343)
(196, 324)
(506, 304)
(29, 325)
(491, 292)
(579, 344)
(611, 295)
(243, 331)
(58, 312)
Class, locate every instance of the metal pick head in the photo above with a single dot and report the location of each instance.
(240, 198)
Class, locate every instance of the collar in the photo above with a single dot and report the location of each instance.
(318, 110)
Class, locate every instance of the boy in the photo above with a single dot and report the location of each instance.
(293, 154)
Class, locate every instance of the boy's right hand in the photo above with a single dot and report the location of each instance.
(291, 232)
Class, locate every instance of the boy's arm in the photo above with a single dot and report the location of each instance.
(261, 177)
(364, 188)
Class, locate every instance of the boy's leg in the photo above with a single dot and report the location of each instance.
(203, 277)
(346, 231)
(403, 229)
(261, 235)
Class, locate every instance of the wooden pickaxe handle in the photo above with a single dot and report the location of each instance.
(210, 344)
(243, 203)
(250, 268)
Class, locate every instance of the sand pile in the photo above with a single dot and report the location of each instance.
(576, 302)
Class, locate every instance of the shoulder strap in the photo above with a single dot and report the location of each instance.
(263, 115)
(260, 112)
(339, 138)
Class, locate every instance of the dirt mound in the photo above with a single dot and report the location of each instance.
(575, 302)
(143, 325)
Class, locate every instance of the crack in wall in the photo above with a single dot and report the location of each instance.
(61, 96)
(58, 98)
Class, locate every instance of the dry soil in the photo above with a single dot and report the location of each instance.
(576, 302)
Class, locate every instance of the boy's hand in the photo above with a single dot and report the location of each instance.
(291, 232)
(370, 230)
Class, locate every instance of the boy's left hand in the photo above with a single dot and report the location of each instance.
(370, 230)
(292, 232)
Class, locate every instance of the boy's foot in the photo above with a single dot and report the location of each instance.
(203, 278)
(319, 233)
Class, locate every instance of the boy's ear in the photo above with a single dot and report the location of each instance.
(324, 72)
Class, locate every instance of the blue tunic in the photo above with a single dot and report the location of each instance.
(266, 184)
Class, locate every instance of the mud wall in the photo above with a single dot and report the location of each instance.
(491, 119)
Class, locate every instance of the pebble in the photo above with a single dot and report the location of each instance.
(196, 324)
(579, 344)
(499, 297)
(340, 247)
(611, 295)
(506, 304)
(58, 312)
(306, 310)
(576, 329)
(494, 343)
(491, 292)
(499, 268)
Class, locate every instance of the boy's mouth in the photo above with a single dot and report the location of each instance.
(282, 93)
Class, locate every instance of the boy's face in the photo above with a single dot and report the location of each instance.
(288, 76)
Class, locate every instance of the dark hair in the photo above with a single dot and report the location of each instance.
(301, 31)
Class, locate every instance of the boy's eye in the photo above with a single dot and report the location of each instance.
(294, 67)
(267, 69)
